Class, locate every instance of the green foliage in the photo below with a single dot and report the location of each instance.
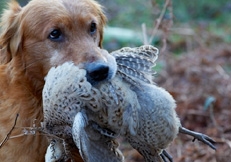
(132, 13)
(115, 38)
(211, 16)
(129, 13)
(2, 5)
(202, 10)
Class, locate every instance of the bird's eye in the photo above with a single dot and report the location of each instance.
(55, 35)
(93, 28)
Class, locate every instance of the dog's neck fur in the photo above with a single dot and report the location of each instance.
(22, 101)
(25, 92)
(19, 75)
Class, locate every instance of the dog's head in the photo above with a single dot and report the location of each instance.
(47, 33)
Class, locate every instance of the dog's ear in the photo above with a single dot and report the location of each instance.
(11, 34)
(102, 24)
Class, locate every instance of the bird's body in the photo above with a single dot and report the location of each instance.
(128, 105)
(158, 122)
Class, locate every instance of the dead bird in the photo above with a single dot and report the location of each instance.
(92, 115)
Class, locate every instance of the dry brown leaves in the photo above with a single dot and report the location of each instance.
(193, 79)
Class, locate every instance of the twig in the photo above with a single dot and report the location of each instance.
(144, 31)
(222, 72)
(223, 140)
(164, 41)
(27, 131)
(159, 20)
(212, 117)
(8, 135)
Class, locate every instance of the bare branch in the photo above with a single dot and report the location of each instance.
(144, 32)
(159, 20)
(8, 134)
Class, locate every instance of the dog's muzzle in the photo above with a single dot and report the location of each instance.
(102, 69)
(97, 72)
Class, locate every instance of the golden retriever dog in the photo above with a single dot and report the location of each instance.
(34, 38)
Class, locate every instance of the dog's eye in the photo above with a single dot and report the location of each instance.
(55, 35)
(93, 28)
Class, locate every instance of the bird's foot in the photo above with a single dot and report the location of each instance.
(165, 155)
(199, 136)
(56, 152)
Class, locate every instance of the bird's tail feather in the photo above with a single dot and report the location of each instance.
(136, 63)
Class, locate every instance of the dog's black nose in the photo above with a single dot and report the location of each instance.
(97, 72)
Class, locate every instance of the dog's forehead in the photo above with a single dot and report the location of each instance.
(55, 13)
(41, 11)
(69, 6)
(82, 10)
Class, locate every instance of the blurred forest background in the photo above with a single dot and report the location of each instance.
(194, 65)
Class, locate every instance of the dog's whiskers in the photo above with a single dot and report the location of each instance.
(33, 63)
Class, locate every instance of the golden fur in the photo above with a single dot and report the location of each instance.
(27, 54)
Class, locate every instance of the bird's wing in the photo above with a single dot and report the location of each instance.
(120, 106)
(63, 86)
(93, 145)
(136, 63)
(158, 121)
